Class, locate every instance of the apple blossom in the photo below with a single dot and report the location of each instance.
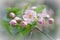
(13, 23)
(17, 18)
(41, 21)
(33, 8)
(23, 23)
(43, 13)
(12, 15)
(50, 20)
(47, 16)
(29, 16)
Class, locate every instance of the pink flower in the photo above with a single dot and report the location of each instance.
(23, 23)
(13, 23)
(29, 16)
(33, 8)
(43, 13)
(47, 16)
(17, 18)
(12, 15)
(50, 20)
(41, 21)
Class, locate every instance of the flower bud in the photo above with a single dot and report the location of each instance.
(41, 21)
(17, 18)
(51, 20)
(33, 8)
(47, 16)
(13, 23)
(23, 23)
(12, 15)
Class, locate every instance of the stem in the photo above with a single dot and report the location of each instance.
(30, 34)
(45, 34)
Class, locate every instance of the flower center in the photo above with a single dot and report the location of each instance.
(29, 15)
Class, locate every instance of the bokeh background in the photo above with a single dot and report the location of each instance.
(53, 4)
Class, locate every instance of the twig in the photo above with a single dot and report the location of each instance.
(45, 34)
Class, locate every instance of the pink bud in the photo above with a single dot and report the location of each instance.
(51, 20)
(33, 8)
(41, 21)
(17, 18)
(13, 22)
(12, 15)
(47, 16)
(23, 23)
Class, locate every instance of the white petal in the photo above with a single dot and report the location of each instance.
(34, 7)
(26, 18)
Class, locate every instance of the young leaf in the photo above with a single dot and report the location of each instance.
(6, 26)
(14, 10)
(27, 30)
(26, 6)
(40, 8)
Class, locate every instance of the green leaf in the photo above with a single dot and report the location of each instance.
(14, 10)
(12, 30)
(26, 31)
(6, 26)
(40, 8)
(26, 6)
(21, 12)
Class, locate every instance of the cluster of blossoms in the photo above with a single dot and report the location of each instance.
(30, 16)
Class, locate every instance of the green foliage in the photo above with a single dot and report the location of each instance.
(26, 31)
(40, 8)
(7, 26)
(16, 11)
(29, 27)
(25, 7)
(18, 28)
(13, 30)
